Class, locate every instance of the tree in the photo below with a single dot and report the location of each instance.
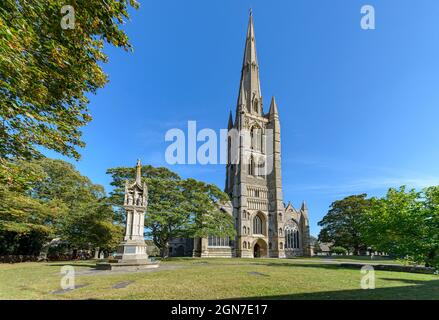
(207, 218)
(339, 250)
(405, 224)
(176, 208)
(167, 214)
(46, 71)
(431, 220)
(342, 225)
(26, 223)
(90, 225)
(60, 202)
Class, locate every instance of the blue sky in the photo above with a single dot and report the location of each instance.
(359, 109)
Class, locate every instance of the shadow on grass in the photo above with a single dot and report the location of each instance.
(420, 290)
(300, 265)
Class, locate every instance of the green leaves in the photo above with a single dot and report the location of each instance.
(46, 72)
(405, 224)
(342, 225)
(49, 198)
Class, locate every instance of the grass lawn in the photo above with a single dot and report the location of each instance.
(189, 278)
(365, 259)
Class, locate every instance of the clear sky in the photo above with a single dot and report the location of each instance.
(359, 109)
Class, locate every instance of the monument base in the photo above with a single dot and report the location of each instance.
(131, 256)
(134, 265)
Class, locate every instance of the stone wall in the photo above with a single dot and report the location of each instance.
(213, 252)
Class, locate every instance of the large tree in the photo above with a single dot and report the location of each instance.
(342, 225)
(176, 207)
(406, 224)
(46, 72)
(60, 202)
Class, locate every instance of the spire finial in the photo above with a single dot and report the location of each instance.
(251, 12)
(138, 172)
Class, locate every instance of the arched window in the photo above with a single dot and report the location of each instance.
(251, 166)
(244, 245)
(256, 138)
(292, 237)
(257, 225)
(281, 246)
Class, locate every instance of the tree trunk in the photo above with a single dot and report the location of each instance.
(164, 251)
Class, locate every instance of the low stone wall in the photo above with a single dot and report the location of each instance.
(391, 267)
(213, 252)
(17, 259)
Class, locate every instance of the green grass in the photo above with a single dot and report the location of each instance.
(375, 260)
(217, 279)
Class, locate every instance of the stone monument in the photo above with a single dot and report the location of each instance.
(131, 253)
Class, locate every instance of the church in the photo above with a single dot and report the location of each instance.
(265, 225)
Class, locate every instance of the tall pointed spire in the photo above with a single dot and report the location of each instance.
(250, 87)
(138, 173)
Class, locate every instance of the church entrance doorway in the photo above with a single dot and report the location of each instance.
(260, 249)
(257, 251)
(180, 251)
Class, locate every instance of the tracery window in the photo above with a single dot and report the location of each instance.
(256, 138)
(251, 166)
(215, 241)
(292, 238)
(257, 225)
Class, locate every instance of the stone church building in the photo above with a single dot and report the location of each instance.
(265, 225)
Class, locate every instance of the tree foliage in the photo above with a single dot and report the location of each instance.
(46, 71)
(339, 250)
(406, 224)
(342, 225)
(59, 202)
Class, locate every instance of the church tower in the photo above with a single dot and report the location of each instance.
(253, 179)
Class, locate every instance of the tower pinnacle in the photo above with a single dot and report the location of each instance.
(138, 172)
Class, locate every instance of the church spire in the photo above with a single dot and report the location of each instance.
(250, 88)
